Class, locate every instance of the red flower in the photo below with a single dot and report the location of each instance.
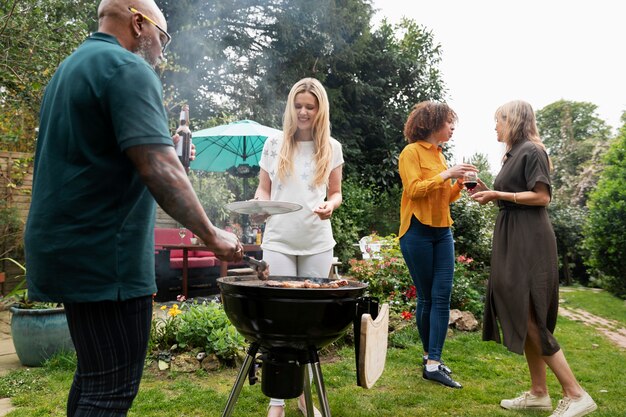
(407, 315)
(410, 293)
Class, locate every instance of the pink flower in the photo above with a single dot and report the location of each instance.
(464, 259)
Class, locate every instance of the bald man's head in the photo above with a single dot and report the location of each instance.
(135, 30)
(119, 8)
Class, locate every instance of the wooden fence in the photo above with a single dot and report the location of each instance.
(16, 180)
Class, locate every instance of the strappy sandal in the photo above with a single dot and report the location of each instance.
(302, 408)
(280, 413)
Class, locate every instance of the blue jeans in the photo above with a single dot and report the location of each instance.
(111, 339)
(429, 254)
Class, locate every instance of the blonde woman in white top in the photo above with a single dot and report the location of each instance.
(303, 166)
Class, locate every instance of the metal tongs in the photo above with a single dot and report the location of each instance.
(259, 266)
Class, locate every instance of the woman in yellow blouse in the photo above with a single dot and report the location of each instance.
(425, 236)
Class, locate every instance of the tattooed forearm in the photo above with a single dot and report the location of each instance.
(166, 179)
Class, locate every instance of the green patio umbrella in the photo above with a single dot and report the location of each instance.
(235, 147)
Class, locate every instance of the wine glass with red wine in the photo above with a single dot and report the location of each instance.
(470, 180)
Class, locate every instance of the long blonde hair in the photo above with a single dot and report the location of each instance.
(321, 132)
(518, 118)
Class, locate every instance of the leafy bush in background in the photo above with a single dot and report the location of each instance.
(470, 283)
(386, 217)
(568, 222)
(389, 280)
(206, 326)
(203, 326)
(213, 191)
(605, 230)
(473, 228)
(364, 210)
(388, 277)
(352, 219)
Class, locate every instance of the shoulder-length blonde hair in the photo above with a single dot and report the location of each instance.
(426, 118)
(321, 131)
(519, 123)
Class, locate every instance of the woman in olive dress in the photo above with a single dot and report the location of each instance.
(523, 289)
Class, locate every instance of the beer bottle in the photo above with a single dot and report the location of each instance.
(183, 147)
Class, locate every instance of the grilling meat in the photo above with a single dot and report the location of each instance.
(306, 284)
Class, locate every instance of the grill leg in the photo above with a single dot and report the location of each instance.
(314, 366)
(308, 397)
(241, 377)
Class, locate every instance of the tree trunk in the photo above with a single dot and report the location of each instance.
(567, 275)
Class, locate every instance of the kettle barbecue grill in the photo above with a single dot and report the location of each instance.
(288, 326)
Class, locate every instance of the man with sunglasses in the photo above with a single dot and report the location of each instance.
(104, 155)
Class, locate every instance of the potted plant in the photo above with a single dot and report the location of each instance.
(39, 330)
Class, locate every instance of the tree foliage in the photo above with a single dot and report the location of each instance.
(568, 222)
(233, 59)
(575, 138)
(397, 70)
(35, 36)
(241, 58)
(605, 230)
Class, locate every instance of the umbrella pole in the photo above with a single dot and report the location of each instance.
(245, 219)
(245, 189)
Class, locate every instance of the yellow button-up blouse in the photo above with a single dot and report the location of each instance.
(425, 194)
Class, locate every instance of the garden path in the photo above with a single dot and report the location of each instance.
(8, 358)
(610, 328)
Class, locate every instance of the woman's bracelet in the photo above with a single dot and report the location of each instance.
(515, 198)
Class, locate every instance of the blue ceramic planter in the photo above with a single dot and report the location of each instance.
(39, 334)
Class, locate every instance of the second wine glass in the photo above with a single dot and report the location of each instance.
(470, 180)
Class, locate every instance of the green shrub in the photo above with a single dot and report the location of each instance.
(364, 210)
(10, 231)
(468, 291)
(207, 327)
(473, 228)
(386, 216)
(214, 193)
(163, 329)
(605, 229)
(568, 222)
(353, 218)
(192, 326)
(389, 280)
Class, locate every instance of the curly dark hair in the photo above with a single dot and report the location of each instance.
(425, 118)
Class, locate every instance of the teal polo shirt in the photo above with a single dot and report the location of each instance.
(89, 234)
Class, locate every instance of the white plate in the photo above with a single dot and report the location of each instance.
(263, 207)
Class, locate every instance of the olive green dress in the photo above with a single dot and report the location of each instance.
(524, 276)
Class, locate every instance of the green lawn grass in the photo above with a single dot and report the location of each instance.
(487, 370)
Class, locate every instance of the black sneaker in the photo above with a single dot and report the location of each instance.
(443, 366)
(441, 377)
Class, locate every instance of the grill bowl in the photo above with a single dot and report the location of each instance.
(294, 318)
